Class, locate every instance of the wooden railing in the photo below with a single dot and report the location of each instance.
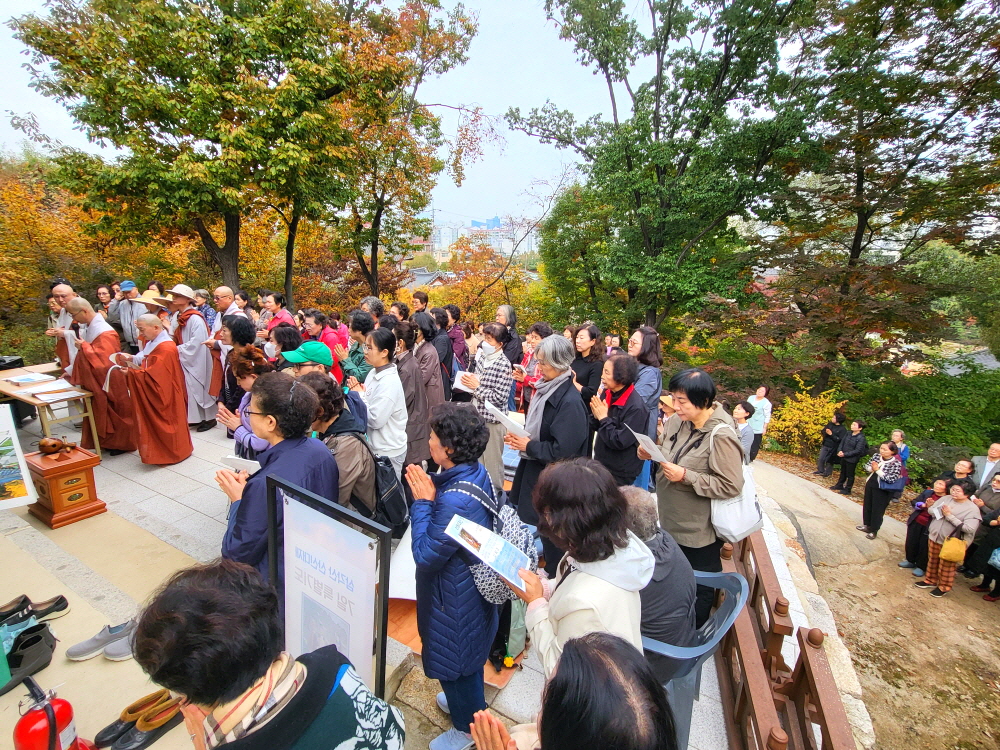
(771, 622)
(744, 685)
(772, 706)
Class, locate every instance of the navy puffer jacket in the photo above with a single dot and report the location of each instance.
(456, 624)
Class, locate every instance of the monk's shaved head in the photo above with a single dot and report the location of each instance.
(63, 293)
(222, 298)
(78, 304)
(149, 320)
(224, 291)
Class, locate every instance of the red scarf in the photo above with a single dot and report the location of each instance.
(621, 399)
(182, 319)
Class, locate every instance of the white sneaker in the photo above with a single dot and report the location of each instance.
(442, 701)
(451, 740)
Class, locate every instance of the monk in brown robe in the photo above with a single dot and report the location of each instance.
(156, 383)
(113, 414)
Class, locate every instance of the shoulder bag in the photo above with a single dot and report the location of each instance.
(736, 518)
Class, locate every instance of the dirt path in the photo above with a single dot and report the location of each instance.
(929, 668)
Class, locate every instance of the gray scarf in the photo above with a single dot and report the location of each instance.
(543, 392)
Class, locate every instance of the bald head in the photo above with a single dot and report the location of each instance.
(150, 320)
(63, 293)
(223, 297)
(81, 310)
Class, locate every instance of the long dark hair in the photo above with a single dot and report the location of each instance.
(597, 351)
(605, 695)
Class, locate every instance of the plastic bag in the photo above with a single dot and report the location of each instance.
(737, 517)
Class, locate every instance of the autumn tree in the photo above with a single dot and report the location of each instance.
(704, 139)
(399, 156)
(484, 279)
(215, 107)
(909, 98)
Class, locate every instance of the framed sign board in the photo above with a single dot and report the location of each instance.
(333, 578)
(16, 485)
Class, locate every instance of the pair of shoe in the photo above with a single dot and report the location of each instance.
(142, 723)
(115, 642)
(20, 609)
(906, 564)
(936, 592)
(208, 424)
(31, 653)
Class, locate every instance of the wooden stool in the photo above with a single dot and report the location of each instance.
(65, 485)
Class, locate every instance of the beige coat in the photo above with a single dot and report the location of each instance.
(685, 507)
(596, 597)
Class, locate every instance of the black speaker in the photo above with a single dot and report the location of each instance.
(21, 410)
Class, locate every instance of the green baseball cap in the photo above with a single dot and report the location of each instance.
(310, 351)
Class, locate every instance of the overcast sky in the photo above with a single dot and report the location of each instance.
(516, 60)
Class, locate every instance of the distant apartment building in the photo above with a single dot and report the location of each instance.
(501, 238)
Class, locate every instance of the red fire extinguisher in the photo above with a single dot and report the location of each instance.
(47, 724)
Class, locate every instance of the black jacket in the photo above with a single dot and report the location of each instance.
(564, 434)
(588, 374)
(834, 440)
(513, 350)
(668, 601)
(615, 446)
(854, 447)
(332, 708)
(445, 352)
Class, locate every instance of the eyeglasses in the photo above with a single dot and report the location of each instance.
(258, 413)
(299, 365)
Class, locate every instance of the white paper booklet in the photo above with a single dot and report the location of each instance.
(53, 385)
(458, 385)
(495, 551)
(33, 377)
(651, 447)
(512, 427)
(241, 464)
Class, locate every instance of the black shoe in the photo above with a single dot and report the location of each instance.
(818, 473)
(51, 609)
(117, 452)
(31, 653)
(844, 492)
(837, 487)
(938, 593)
(970, 574)
(207, 425)
(921, 584)
(13, 606)
(150, 727)
(128, 718)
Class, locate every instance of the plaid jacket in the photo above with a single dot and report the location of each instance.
(494, 386)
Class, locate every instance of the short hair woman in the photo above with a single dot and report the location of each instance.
(598, 580)
(213, 635)
(456, 624)
(281, 411)
(700, 466)
(557, 427)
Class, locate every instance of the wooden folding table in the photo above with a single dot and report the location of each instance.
(79, 405)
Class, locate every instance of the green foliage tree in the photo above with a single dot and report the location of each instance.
(907, 98)
(703, 140)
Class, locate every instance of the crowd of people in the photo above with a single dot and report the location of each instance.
(317, 401)
(954, 526)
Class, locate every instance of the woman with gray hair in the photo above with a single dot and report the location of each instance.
(512, 349)
(558, 428)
